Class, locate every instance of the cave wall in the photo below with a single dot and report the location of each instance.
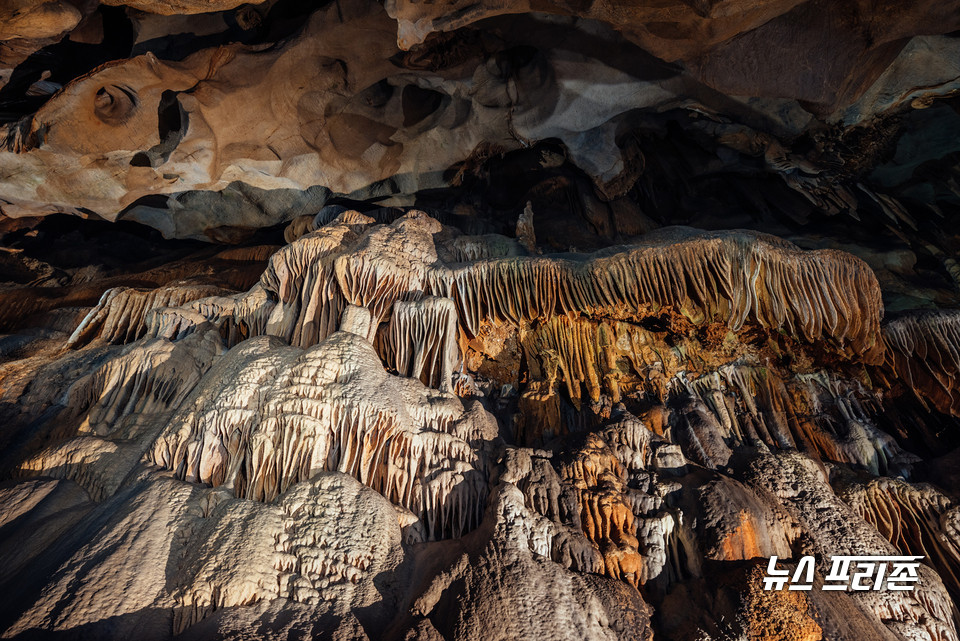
(476, 320)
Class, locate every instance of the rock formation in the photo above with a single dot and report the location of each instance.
(477, 320)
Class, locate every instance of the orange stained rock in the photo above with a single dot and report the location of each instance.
(654, 418)
(624, 564)
(539, 414)
(777, 615)
(605, 516)
(579, 317)
(741, 542)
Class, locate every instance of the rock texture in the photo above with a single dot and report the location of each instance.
(167, 142)
(741, 48)
(477, 320)
(631, 471)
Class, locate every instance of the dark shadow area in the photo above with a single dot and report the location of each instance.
(65, 60)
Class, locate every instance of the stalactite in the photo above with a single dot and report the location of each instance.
(145, 379)
(923, 351)
(729, 278)
(630, 528)
(421, 341)
(120, 316)
(282, 416)
(917, 519)
(301, 277)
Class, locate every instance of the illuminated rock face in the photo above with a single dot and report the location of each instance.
(247, 136)
(267, 420)
(738, 278)
(540, 320)
(271, 455)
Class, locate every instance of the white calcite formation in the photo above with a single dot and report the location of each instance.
(268, 417)
(168, 554)
(120, 315)
(341, 451)
(729, 277)
(421, 340)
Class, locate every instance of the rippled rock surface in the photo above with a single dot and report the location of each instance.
(477, 320)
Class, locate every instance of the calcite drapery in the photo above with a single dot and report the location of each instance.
(272, 394)
(409, 426)
(730, 278)
(922, 351)
(268, 418)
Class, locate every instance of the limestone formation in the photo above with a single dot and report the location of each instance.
(37, 19)
(721, 40)
(917, 519)
(275, 551)
(165, 142)
(924, 613)
(166, 128)
(120, 315)
(474, 320)
(738, 278)
(923, 354)
(284, 417)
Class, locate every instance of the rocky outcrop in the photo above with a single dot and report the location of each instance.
(732, 46)
(833, 528)
(537, 320)
(174, 554)
(37, 19)
(267, 420)
(120, 315)
(504, 569)
(917, 519)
